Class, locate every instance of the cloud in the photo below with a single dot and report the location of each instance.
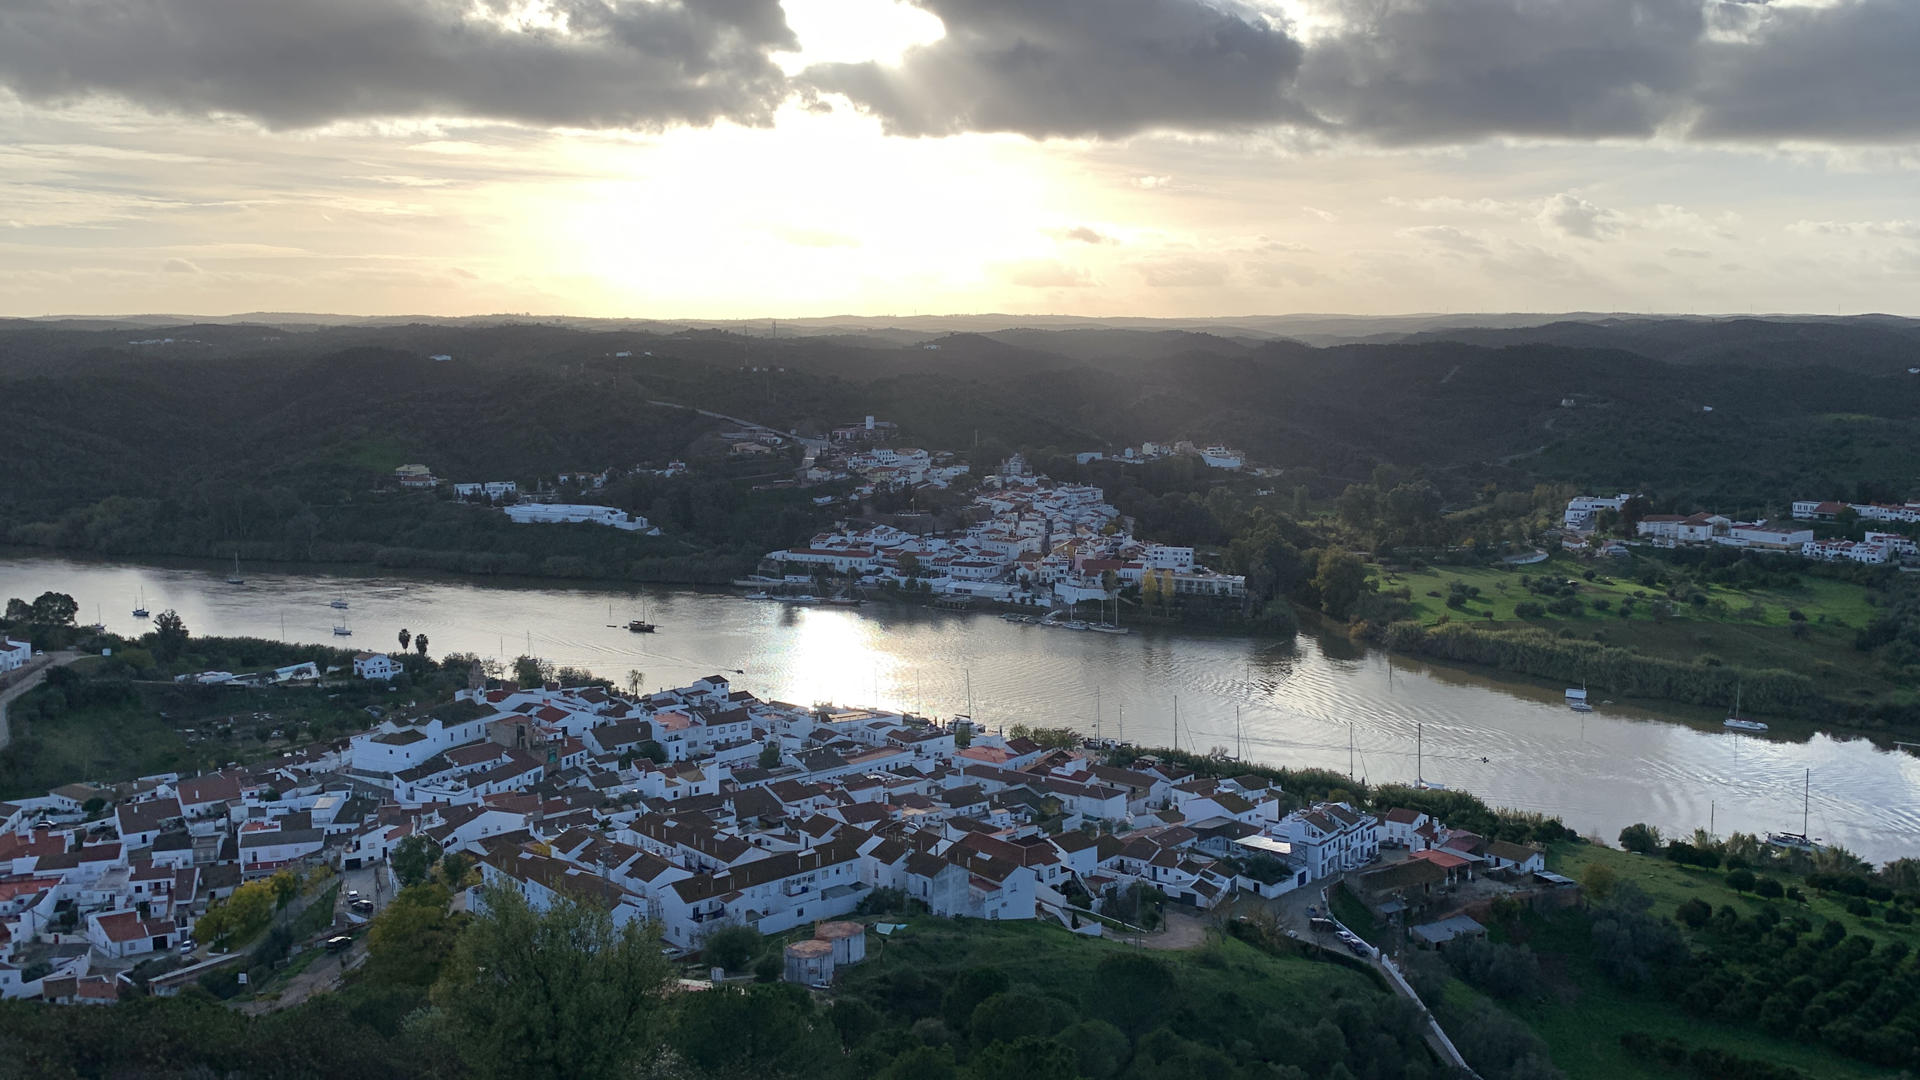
(1323, 215)
(1842, 72)
(1044, 274)
(1687, 253)
(1084, 235)
(179, 266)
(1406, 72)
(1152, 182)
(1447, 238)
(1185, 274)
(817, 238)
(1574, 216)
(1415, 72)
(565, 63)
(1080, 68)
(1899, 229)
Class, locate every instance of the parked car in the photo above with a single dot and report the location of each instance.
(339, 942)
(187, 945)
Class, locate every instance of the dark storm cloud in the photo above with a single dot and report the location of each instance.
(1848, 73)
(1414, 71)
(1080, 68)
(299, 64)
(1407, 72)
(1389, 72)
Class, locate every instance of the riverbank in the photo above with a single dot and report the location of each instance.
(1317, 700)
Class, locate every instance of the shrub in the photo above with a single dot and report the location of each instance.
(1641, 838)
(1741, 881)
(731, 947)
(1694, 913)
(1769, 888)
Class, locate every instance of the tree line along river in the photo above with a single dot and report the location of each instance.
(1307, 702)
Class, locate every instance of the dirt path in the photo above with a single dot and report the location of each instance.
(1182, 931)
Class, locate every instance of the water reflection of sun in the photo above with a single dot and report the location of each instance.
(839, 657)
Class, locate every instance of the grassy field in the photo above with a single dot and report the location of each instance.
(1836, 605)
(1670, 885)
(1584, 1024)
(1834, 610)
(1058, 962)
(169, 728)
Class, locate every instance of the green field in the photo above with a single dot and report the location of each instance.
(1584, 1024)
(166, 728)
(1833, 610)
(1670, 885)
(1826, 603)
(1047, 956)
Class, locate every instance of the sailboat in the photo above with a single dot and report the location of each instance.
(342, 630)
(338, 604)
(1734, 719)
(99, 623)
(140, 605)
(235, 578)
(1113, 627)
(1577, 699)
(1799, 841)
(641, 625)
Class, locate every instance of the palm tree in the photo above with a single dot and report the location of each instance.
(420, 644)
(634, 681)
(405, 637)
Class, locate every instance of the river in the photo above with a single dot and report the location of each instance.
(1298, 703)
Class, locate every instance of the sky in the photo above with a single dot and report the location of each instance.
(782, 158)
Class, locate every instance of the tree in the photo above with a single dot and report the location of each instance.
(1740, 881)
(169, 635)
(1339, 581)
(562, 994)
(1694, 913)
(53, 609)
(1136, 991)
(405, 637)
(454, 867)
(768, 1030)
(420, 644)
(1598, 880)
(635, 680)
(770, 756)
(413, 858)
(286, 886)
(531, 671)
(732, 947)
(1642, 838)
(410, 941)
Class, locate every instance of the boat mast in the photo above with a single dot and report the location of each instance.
(1096, 712)
(1176, 723)
(1806, 800)
(1419, 755)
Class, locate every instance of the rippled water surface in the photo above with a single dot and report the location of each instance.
(1302, 703)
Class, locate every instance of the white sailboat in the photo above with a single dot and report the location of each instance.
(140, 605)
(343, 630)
(1799, 841)
(1735, 721)
(235, 578)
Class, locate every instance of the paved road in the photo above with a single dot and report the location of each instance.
(60, 659)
